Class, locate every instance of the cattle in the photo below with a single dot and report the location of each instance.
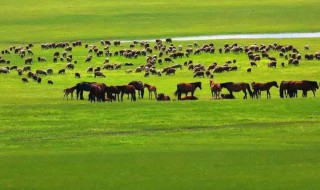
(14, 67)
(88, 59)
(108, 66)
(248, 70)
(253, 64)
(50, 82)
(146, 74)
(20, 71)
(138, 70)
(99, 74)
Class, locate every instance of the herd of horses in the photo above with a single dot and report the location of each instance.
(100, 92)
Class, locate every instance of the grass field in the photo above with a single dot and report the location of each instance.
(50, 143)
(97, 19)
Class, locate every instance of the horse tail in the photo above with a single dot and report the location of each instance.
(249, 90)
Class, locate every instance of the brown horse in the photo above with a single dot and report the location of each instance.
(283, 90)
(98, 91)
(258, 87)
(186, 88)
(127, 89)
(304, 86)
(237, 87)
(151, 89)
(138, 85)
(215, 88)
(68, 91)
(162, 97)
(113, 93)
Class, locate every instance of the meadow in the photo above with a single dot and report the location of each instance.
(50, 143)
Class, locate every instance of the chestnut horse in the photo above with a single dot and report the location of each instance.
(186, 88)
(258, 87)
(151, 89)
(98, 91)
(237, 87)
(68, 91)
(138, 85)
(127, 89)
(215, 88)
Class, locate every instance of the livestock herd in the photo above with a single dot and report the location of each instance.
(163, 52)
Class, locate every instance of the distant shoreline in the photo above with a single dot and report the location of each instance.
(243, 36)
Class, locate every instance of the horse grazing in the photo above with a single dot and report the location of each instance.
(138, 85)
(304, 86)
(162, 97)
(151, 89)
(237, 87)
(127, 89)
(113, 93)
(215, 88)
(98, 91)
(258, 87)
(83, 86)
(68, 91)
(186, 88)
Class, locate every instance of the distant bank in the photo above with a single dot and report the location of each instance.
(245, 36)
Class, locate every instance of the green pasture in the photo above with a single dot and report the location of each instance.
(50, 143)
(36, 21)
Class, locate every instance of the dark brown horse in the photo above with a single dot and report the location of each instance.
(162, 97)
(97, 91)
(258, 87)
(138, 85)
(83, 86)
(127, 89)
(292, 88)
(186, 88)
(283, 90)
(113, 93)
(237, 87)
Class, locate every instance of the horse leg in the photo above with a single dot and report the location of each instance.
(122, 96)
(314, 94)
(245, 94)
(71, 95)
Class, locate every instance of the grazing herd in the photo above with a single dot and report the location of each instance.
(163, 52)
(100, 92)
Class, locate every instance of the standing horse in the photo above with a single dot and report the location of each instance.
(304, 86)
(151, 89)
(97, 91)
(215, 88)
(68, 91)
(127, 89)
(83, 86)
(283, 90)
(237, 87)
(138, 85)
(113, 91)
(258, 87)
(186, 88)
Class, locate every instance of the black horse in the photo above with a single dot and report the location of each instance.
(83, 86)
(138, 85)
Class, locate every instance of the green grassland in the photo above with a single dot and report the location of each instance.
(50, 143)
(35, 21)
